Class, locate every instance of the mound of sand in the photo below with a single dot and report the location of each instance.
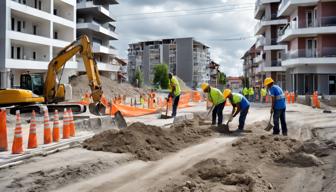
(80, 85)
(147, 142)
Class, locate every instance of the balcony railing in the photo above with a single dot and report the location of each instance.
(309, 53)
(276, 63)
(320, 22)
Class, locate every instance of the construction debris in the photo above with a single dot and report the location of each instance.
(146, 142)
(80, 85)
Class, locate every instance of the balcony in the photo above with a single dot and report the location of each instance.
(286, 7)
(100, 12)
(258, 59)
(98, 29)
(260, 7)
(260, 27)
(327, 55)
(325, 25)
(98, 48)
(261, 41)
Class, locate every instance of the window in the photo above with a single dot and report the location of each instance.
(12, 52)
(19, 26)
(18, 52)
(55, 11)
(23, 24)
(40, 5)
(34, 55)
(35, 4)
(332, 85)
(13, 24)
(55, 35)
(34, 30)
(311, 48)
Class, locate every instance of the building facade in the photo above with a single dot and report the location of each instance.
(302, 57)
(32, 32)
(311, 38)
(186, 57)
(95, 20)
(251, 68)
(271, 51)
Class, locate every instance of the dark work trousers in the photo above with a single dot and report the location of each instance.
(242, 118)
(279, 114)
(218, 111)
(175, 104)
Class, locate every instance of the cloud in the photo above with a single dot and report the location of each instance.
(215, 29)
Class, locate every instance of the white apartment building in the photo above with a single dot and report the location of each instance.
(32, 32)
(270, 52)
(94, 19)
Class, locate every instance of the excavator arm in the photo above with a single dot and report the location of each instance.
(54, 91)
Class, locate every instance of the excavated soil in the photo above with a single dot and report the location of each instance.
(80, 85)
(240, 171)
(49, 179)
(149, 143)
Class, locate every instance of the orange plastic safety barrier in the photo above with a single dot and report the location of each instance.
(32, 139)
(196, 96)
(3, 131)
(71, 124)
(129, 111)
(293, 97)
(17, 147)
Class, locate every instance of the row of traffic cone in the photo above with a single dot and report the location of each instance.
(49, 135)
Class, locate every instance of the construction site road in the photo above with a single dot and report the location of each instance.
(254, 161)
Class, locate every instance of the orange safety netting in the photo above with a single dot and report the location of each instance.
(129, 111)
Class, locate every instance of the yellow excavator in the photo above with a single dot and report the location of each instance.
(34, 92)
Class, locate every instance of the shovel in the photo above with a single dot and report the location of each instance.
(165, 116)
(270, 125)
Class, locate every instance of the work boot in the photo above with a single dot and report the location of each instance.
(284, 134)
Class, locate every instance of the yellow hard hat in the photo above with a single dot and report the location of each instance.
(226, 93)
(267, 81)
(204, 86)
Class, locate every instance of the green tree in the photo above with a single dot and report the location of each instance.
(161, 75)
(138, 79)
(222, 78)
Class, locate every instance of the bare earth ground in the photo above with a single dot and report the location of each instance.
(212, 162)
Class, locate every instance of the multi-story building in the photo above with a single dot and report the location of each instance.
(95, 20)
(253, 70)
(267, 30)
(311, 38)
(234, 83)
(186, 57)
(31, 33)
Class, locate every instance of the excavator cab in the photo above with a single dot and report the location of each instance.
(33, 82)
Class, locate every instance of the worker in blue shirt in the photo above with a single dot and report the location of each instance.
(278, 106)
(239, 105)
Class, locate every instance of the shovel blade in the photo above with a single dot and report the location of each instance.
(120, 120)
(164, 116)
(269, 127)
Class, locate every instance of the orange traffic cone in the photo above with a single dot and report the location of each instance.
(32, 140)
(72, 124)
(66, 128)
(47, 130)
(3, 131)
(56, 128)
(17, 143)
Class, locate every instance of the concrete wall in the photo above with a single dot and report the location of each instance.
(184, 68)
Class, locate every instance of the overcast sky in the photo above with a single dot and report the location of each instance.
(216, 23)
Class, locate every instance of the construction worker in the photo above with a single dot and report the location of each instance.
(278, 106)
(245, 91)
(263, 93)
(239, 105)
(216, 97)
(251, 94)
(175, 92)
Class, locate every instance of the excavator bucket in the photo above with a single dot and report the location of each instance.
(97, 109)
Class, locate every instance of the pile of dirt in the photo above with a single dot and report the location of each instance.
(46, 180)
(147, 142)
(80, 85)
(183, 85)
(217, 175)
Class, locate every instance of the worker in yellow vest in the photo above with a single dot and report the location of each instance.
(216, 97)
(245, 91)
(175, 92)
(263, 93)
(251, 94)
